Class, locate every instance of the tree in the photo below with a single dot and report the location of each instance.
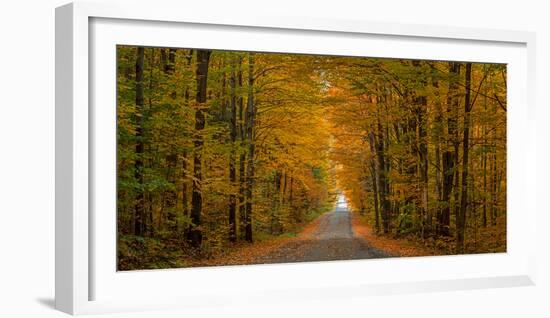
(461, 222)
(195, 235)
(449, 156)
(139, 216)
(232, 157)
(250, 117)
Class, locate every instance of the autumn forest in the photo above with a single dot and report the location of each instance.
(231, 158)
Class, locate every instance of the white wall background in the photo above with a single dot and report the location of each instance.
(27, 158)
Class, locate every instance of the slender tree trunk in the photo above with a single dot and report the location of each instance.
(498, 191)
(139, 208)
(184, 186)
(494, 174)
(465, 153)
(421, 105)
(242, 193)
(438, 185)
(242, 156)
(494, 185)
(283, 188)
(374, 176)
(474, 210)
(223, 94)
(195, 235)
(484, 164)
(291, 201)
(450, 158)
(169, 196)
(185, 182)
(361, 206)
(412, 197)
(232, 155)
(456, 146)
(251, 114)
(438, 125)
(382, 178)
(274, 228)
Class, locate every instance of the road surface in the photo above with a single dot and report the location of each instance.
(332, 239)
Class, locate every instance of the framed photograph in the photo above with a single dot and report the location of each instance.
(227, 158)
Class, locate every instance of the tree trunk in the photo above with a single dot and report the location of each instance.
(139, 208)
(242, 157)
(294, 211)
(494, 185)
(185, 181)
(283, 188)
(374, 175)
(438, 125)
(195, 235)
(450, 157)
(274, 223)
(378, 141)
(461, 222)
(421, 105)
(232, 163)
(251, 114)
(184, 186)
(484, 164)
(170, 196)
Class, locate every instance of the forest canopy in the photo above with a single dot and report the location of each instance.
(217, 150)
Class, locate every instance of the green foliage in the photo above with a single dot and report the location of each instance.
(135, 252)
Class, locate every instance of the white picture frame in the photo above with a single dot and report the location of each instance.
(86, 279)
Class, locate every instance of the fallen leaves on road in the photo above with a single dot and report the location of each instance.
(246, 253)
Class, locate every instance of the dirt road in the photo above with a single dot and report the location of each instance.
(332, 239)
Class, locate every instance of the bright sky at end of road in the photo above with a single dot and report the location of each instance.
(342, 202)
